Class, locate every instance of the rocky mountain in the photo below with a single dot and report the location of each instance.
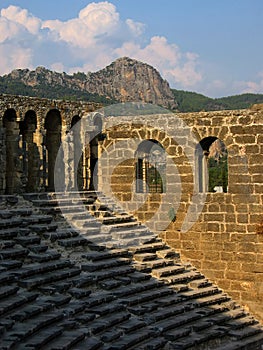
(123, 80)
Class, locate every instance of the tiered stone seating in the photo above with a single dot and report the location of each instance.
(60, 289)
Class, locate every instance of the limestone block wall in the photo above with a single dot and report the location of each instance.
(225, 240)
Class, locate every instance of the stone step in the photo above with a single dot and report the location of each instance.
(132, 325)
(79, 292)
(132, 289)
(109, 254)
(254, 341)
(158, 343)
(7, 244)
(167, 312)
(49, 277)
(37, 219)
(144, 257)
(204, 282)
(148, 248)
(187, 276)
(30, 310)
(200, 340)
(175, 322)
(108, 309)
(44, 257)
(8, 234)
(6, 277)
(241, 322)
(60, 234)
(111, 273)
(129, 243)
(90, 343)
(40, 268)
(13, 253)
(199, 293)
(120, 226)
(37, 248)
(168, 271)
(67, 341)
(132, 233)
(40, 228)
(7, 214)
(97, 238)
(16, 300)
(87, 223)
(36, 324)
(28, 240)
(107, 264)
(128, 341)
(73, 242)
(213, 299)
(8, 223)
(108, 321)
(66, 201)
(7, 291)
(147, 296)
(11, 264)
(111, 220)
(158, 263)
(41, 338)
(167, 254)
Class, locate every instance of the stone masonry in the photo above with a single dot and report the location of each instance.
(225, 242)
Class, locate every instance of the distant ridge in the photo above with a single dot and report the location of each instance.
(194, 102)
(124, 80)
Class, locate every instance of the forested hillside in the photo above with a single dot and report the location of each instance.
(194, 102)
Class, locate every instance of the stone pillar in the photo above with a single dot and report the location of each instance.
(68, 150)
(2, 161)
(78, 158)
(13, 166)
(86, 158)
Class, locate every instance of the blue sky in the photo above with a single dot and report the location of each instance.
(207, 46)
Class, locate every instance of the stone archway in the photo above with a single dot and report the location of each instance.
(53, 125)
(150, 167)
(95, 137)
(31, 157)
(212, 169)
(77, 148)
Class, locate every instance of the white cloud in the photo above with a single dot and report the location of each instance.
(95, 38)
(22, 16)
(177, 67)
(88, 42)
(251, 86)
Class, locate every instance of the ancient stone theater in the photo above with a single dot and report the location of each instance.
(130, 227)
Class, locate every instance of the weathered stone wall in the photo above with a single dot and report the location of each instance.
(226, 240)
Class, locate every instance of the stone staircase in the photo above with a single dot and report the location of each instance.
(111, 285)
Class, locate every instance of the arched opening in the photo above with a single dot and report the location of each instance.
(53, 140)
(12, 157)
(95, 137)
(150, 167)
(212, 165)
(30, 151)
(77, 144)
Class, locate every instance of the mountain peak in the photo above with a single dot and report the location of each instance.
(124, 80)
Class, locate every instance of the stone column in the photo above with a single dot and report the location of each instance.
(12, 157)
(2, 161)
(86, 159)
(68, 150)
